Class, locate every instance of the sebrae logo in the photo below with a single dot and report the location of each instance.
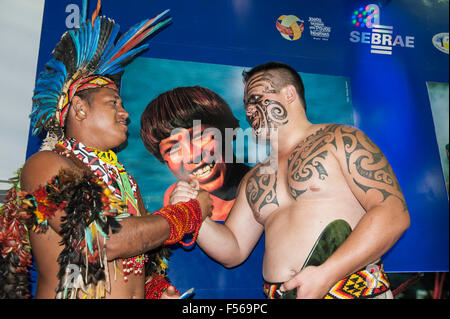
(290, 27)
(381, 38)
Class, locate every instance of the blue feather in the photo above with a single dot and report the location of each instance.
(113, 70)
(123, 40)
(57, 65)
(100, 230)
(48, 85)
(84, 12)
(159, 16)
(88, 45)
(129, 34)
(157, 27)
(83, 36)
(89, 240)
(43, 111)
(110, 43)
(75, 40)
(127, 55)
(44, 95)
(95, 38)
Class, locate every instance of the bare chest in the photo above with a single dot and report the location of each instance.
(310, 173)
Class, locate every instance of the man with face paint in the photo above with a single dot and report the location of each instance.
(330, 208)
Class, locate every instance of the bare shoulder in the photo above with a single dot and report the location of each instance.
(247, 176)
(342, 140)
(349, 138)
(335, 134)
(41, 167)
(366, 167)
(341, 128)
(318, 137)
(252, 171)
(332, 128)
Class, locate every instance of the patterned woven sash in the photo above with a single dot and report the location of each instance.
(106, 166)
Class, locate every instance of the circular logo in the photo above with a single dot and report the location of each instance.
(290, 27)
(440, 42)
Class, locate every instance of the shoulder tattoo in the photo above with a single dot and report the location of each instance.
(367, 165)
(261, 189)
(364, 161)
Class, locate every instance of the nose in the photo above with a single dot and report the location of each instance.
(123, 113)
(191, 155)
(250, 110)
(251, 113)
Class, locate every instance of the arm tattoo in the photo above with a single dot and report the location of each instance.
(367, 165)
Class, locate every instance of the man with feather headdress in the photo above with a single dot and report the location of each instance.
(74, 203)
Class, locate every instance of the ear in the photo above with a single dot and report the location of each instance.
(290, 93)
(79, 108)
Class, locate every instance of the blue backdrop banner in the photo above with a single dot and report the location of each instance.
(380, 66)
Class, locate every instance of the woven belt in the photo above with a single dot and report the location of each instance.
(365, 283)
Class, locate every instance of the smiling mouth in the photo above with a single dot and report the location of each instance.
(124, 123)
(204, 170)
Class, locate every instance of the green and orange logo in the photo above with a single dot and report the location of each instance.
(290, 27)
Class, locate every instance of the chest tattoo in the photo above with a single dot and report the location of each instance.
(362, 160)
(307, 160)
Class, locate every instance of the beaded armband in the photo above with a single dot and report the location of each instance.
(183, 218)
(155, 287)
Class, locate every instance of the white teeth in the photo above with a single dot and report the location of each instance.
(203, 171)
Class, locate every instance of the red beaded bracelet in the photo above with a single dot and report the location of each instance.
(183, 218)
(156, 287)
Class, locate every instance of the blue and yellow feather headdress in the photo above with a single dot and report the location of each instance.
(88, 50)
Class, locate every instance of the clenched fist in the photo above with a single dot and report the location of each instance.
(185, 191)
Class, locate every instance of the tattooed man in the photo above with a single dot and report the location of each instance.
(329, 211)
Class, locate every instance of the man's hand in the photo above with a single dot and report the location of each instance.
(311, 283)
(185, 191)
(206, 203)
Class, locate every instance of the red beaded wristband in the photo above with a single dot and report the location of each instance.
(183, 218)
(156, 287)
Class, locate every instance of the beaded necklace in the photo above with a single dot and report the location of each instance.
(106, 166)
